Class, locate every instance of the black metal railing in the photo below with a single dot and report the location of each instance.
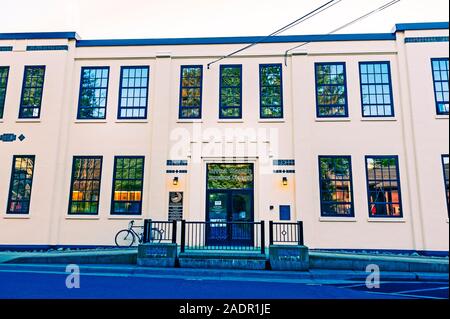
(286, 233)
(212, 235)
(160, 231)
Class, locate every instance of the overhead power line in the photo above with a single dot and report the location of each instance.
(383, 7)
(307, 16)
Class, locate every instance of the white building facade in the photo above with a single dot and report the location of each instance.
(348, 134)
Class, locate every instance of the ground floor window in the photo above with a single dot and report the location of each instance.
(85, 185)
(127, 185)
(383, 186)
(20, 187)
(336, 192)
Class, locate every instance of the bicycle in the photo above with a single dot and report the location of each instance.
(129, 237)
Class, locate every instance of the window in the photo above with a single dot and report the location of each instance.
(32, 87)
(336, 189)
(271, 91)
(191, 92)
(4, 71)
(230, 91)
(20, 187)
(133, 94)
(93, 93)
(127, 185)
(383, 186)
(85, 185)
(331, 90)
(440, 78)
(376, 89)
(445, 163)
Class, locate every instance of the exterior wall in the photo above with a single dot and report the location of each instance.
(415, 134)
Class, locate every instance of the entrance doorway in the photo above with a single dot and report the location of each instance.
(229, 198)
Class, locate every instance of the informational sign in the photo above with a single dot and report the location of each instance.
(230, 176)
(175, 206)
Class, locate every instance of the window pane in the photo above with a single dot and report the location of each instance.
(85, 186)
(383, 186)
(271, 96)
(331, 90)
(127, 184)
(445, 164)
(336, 196)
(4, 71)
(191, 91)
(376, 89)
(230, 91)
(20, 187)
(133, 93)
(93, 93)
(440, 78)
(33, 83)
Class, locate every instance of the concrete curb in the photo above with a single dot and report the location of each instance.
(319, 274)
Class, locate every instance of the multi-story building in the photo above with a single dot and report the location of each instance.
(348, 133)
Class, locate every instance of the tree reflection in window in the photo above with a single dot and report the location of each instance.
(331, 94)
(191, 92)
(20, 187)
(271, 95)
(93, 93)
(4, 71)
(336, 192)
(127, 185)
(85, 186)
(33, 85)
(230, 91)
(383, 185)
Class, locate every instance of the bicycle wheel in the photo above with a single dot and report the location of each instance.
(156, 235)
(125, 238)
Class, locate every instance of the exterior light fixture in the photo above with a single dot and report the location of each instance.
(285, 181)
(175, 180)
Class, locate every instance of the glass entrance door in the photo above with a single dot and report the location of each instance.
(229, 199)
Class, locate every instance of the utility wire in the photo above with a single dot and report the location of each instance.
(307, 16)
(383, 7)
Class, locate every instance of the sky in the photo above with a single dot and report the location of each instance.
(115, 19)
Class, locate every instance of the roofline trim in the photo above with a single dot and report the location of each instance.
(39, 35)
(420, 26)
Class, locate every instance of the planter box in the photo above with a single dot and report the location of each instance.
(284, 257)
(157, 255)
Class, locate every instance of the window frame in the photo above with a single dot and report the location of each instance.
(223, 66)
(438, 112)
(344, 64)
(400, 197)
(119, 106)
(352, 203)
(81, 90)
(391, 95)
(95, 157)
(21, 107)
(2, 107)
(446, 181)
(8, 212)
(261, 66)
(114, 183)
(180, 106)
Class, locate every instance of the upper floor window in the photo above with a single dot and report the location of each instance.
(383, 186)
(271, 91)
(85, 185)
(127, 185)
(331, 90)
(93, 93)
(440, 78)
(32, 87)
(133, 94)
(191, 92)
(336, 189)
(4, 71)
(20, 187)
(376, 89)
(230, 91)
(445, 163)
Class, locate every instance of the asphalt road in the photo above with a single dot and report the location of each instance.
(44, 285)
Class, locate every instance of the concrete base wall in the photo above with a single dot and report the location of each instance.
(284, 257)
(157, 255)
(227, 261)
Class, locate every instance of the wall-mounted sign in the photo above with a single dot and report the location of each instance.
(175, 206)
(230, 176)
(10, 137)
